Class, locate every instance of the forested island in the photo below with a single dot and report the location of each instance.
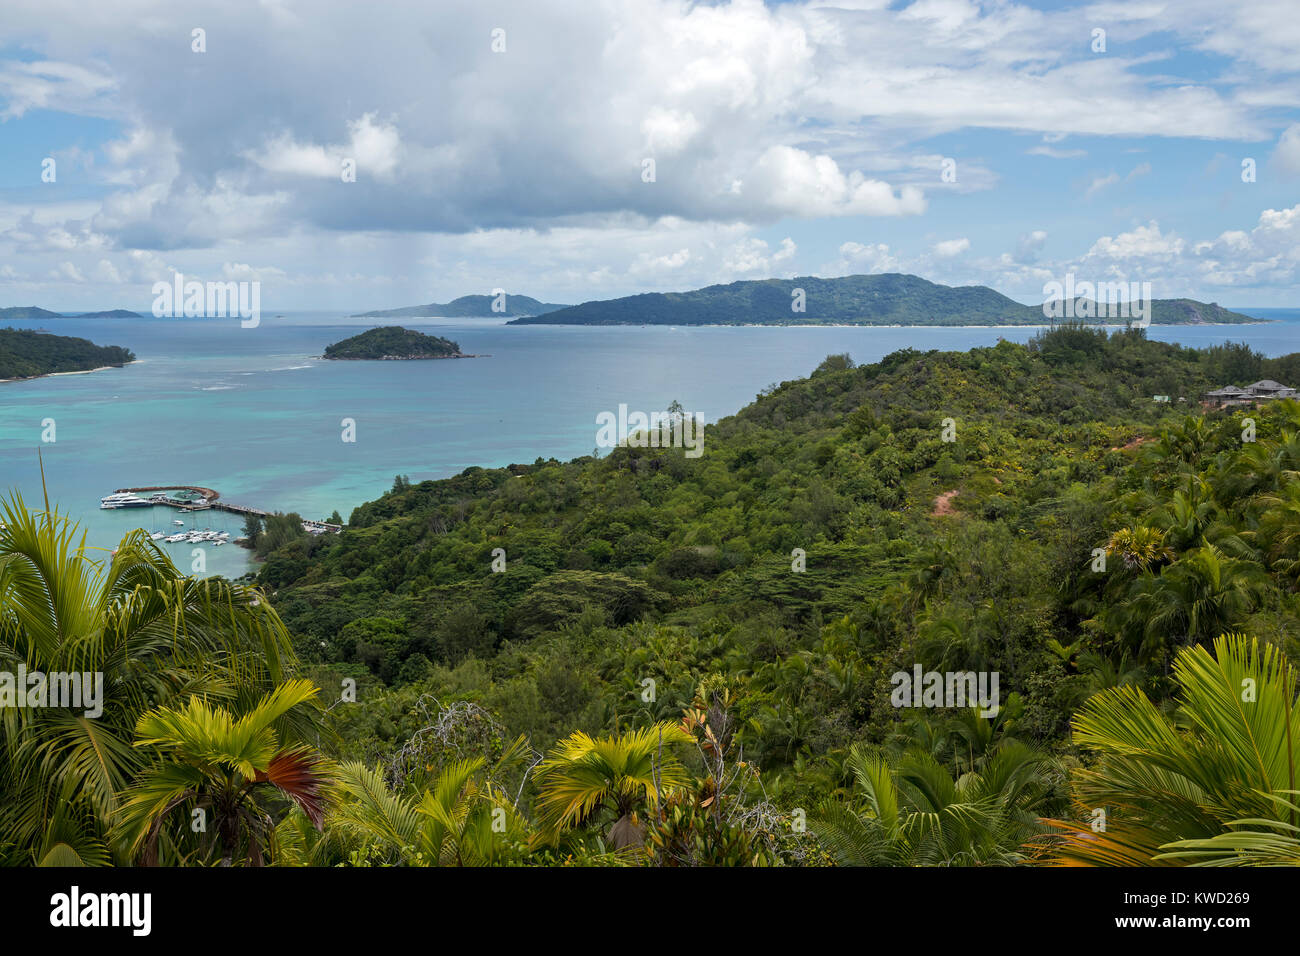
(886, 299)
(470, 306)
(28, 354)
(648, 659)
(392, 343)
(29, 312)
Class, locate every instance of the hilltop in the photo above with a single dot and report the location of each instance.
(392, 342)
(27, 312)
(885, 299)
(468, 306)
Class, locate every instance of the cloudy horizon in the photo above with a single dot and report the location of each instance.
(578, 152)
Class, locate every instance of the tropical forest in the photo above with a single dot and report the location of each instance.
(642, 659)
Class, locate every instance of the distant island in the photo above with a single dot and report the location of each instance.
(886, 299)
(468, 306)
(32, 312)
(394, 343)
(28, 354)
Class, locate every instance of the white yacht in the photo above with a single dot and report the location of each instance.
(156, 536)
(124, 499)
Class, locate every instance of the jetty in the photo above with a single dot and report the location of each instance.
(198, 498)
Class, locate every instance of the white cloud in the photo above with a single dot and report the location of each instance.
(1054, 153)
(1099, 183)
(373, 147)
(951, 247)
(794, 182)
(1287, 153)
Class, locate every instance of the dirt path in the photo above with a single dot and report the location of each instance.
(943, 504)
(1133, 444)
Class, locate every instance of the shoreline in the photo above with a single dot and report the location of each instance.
(80, 371)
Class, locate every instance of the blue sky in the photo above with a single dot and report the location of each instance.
(788, 139)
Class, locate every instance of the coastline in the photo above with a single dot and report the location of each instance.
(80, 371)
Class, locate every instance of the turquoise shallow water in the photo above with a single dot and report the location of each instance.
(252, 412)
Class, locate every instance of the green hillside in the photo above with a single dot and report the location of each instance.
(887, 299)
(25, 353)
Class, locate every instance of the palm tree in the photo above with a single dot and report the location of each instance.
(1279, 530)
(156, 637)
(462, 820)
(1140, 547)
(1202, 595)
(916, 814)
(1250, 842)
(585, 775)
(1162, 779)
(226, 768)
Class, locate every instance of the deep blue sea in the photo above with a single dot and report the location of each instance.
(254, 414)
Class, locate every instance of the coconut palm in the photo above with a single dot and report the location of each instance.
(229, 770)
(155, 635)
(1161, 778)
(585, 776)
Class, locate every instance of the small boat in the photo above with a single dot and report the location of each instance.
(218, 543)
(156, 536)
(181, 523)
(173, 538)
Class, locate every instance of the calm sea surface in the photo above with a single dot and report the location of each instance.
(254, 414)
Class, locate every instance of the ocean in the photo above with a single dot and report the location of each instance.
(256, 415)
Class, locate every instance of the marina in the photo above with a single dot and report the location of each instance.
(190, 499)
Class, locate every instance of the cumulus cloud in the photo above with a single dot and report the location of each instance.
(812, 110)
(795, 183)
(951, 247)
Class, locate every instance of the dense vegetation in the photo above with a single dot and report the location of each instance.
(468, 306)
(25, 353)
(649, 659)
(886, 299)
(393, 342)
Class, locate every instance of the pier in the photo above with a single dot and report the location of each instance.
(198, 498)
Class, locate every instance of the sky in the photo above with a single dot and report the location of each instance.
(587, 150)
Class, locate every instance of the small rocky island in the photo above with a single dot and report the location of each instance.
(393, 343)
